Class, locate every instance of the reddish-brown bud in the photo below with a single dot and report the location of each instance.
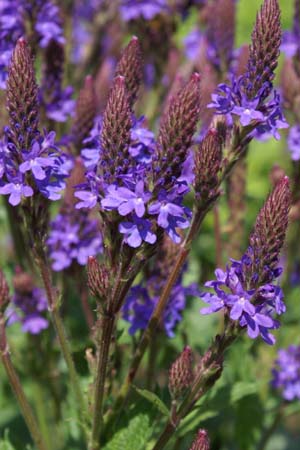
(290, 84)
(76, 177)
(202, 441)
(181, 373)
(115, 137)
(98, 279)
(208, 160)
(130, 67)
(220, 30)
(23, 282)
(85, 112)
(265, 43)
(176, 131)
(4, 292)
(267, 237)
(22, 97)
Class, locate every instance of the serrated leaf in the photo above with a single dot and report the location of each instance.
(134, 436)
(242, 389)
(154, 399)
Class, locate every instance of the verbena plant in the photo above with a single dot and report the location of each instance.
(101, 278)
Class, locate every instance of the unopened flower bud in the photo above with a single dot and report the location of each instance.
(268, 235)
(22, 97)
(181, 374)
(130, 67)
(176, 131)
(208, 161)
(85, 112)
(23, 282)
(98, 279)
(201, 442)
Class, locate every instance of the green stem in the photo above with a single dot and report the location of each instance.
(270, 430)
(18, 391)
(53, 306)
(205, 379)
(108, 323)
(157, 314)
(42, 416)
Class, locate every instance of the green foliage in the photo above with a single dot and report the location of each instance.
(153, 399)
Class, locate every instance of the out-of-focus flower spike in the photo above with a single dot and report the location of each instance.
(115, 137)
(76, 178)
(176, 131)
(4, 292)
(236, 190)
(242, 60)
(290, 86)
(264, 48)
(54, 58)
(102, 82)
(268, 235)
(181, 373)
(208, 160)
(98, 279)
(22, 97)
(85, 112)
(130, 67)
(208, 85)
(201, 442)
(220, 32)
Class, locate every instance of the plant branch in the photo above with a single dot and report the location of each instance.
(18, 390)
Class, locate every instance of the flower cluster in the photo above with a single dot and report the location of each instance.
(40, 168)
(30, 162)
(141, 302)
(28, 305)
(246, 290)
(130, 194)
(262, 112)
(251, 96)
(253, 308)
(286, 373)
(135, 9)
(11, 28)
(73, 237)
(13, 16)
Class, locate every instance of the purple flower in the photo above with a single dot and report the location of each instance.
(126, 201)
(137, 231)
(170, 214)
(289, 44)
(48, 24)
(134, 9)
(73, 236)
(286, 373)
(253, 308)
(27, 308)
(88, 199)
(192, 43)
(293, 142)
(142, 142)
(262, 111)
(16, 191)
(141, 302)
(62, 106)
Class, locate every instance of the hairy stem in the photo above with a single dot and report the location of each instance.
(18, 390)
(53, 306)
(108, 323)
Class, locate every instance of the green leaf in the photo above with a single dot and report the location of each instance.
(134, 436)
(5, 443)
(242, 389)
(154, 399)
